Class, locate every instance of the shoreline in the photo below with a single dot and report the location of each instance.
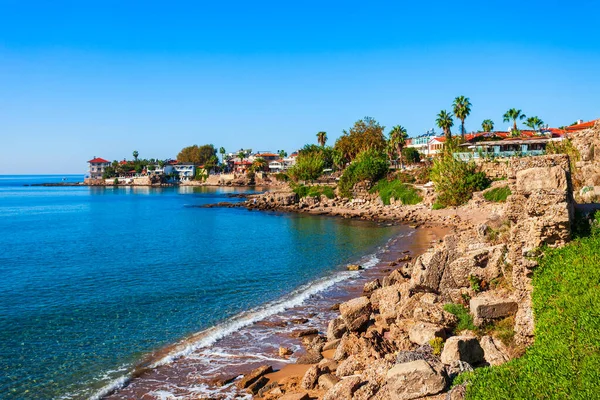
(283, 324)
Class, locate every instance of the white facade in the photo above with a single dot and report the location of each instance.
(97, 167)
(186, 171)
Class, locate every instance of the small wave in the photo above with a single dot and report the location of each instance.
(211, 335)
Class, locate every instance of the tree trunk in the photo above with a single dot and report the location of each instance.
(462, 128)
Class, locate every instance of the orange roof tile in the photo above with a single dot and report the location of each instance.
(98, 160)
(584, 125)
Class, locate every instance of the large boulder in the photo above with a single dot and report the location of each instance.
(336, 329)
(428, 270)
(413, 380)
(253, 376)
(386, 300)
(462, 348)
(489, 306)
(542, 178)
(423, 332)
(344, 389)
(356, 313)
(434, 314)
(310, 378)
(493, 351)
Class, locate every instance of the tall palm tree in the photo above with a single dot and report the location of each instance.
(282, 153)
(462, 109)
(444, 121)
(398, 137)
(487, 125)
(135, 155)
(534, 123)
(513, 114)
(222, 152)
(322, 138)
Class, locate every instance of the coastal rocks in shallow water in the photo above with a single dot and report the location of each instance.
(413, 380)
(336, 329)
(493, 351)
(257, 385)
(285, 351)
(462, 348)
(354, 267)
(356, 313)
(489, 306)
(306, 332)
(422, 332)
(253, 376)
(344, 389)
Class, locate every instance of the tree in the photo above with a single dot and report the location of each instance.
(513, 114)
(366, 134)
(534, 123)
(259, 164)
(322, 138)
(411, 155)
(487, 125)
(135, 155)
(444, 121)
(398, 137)
(198, 155)
(462, 109)
(282, 153)
(309, 166)
(222, 152)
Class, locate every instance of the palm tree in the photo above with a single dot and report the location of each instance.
(513, 114)
(135, 155)
(322, 138)
(444, 121)
(462, 109)
(487, 125)
(398, 137)
(222, 152)
(282, 153)
(534, 123)
(241, 156)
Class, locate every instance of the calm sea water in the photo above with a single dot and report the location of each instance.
(92, 280)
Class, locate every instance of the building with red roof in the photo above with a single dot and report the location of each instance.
(580, 125)
(97, 167)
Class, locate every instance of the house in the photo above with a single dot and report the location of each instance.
(421, 143)
(185, 170)
(267, 156)
(435, 145)
(97, 167)
(504, 144)
(241, 166)
(580, 125)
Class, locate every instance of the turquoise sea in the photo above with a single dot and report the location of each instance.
(93, 280)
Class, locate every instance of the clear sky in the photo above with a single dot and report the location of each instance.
(103, 78)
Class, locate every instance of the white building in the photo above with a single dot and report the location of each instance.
(97, 167)
(186, 171)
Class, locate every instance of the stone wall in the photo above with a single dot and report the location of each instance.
(508, 167)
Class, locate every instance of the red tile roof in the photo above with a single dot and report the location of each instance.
(579, 127)
(98, 160)
(123, 162)
(266, 155)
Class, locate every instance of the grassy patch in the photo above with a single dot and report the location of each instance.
(314, 191)
(437, 206)
(497, 195)
(564, 361)
(398, 190)
(465, 320)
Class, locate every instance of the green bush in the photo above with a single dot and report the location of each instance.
(437, 345)
(309, 166)
(564, 360)
(281, 177)
(456, 180)
(465, 320)
(398, 190)
(368, 165)
(437, 206)
(314, 191)
(498, 194)
(411, 155)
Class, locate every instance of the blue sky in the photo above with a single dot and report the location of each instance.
(101, 78)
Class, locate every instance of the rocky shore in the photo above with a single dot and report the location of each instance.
(462, 304)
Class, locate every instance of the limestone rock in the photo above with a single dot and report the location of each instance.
(542, 178)
(422, 332)
(310, 358)
(356, 313)
(295, 396)
(370, 287)
(385, 300)
(332, 344)
(489, 306)
(336, 329)
(428, 270)
(349, 367)
(413, 380)
(285, 351)
(456, 368)
(327, 381)
(344, 389)
(309, 380)
(493, 351)
(462, 348)
(434, 314)
(250, 378)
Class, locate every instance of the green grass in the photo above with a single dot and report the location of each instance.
(465, 320)
(314, 191)
(437, 206)
(398, 190)
(498, 194)
(564, 361)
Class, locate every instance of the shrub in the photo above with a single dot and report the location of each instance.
(314, 191)
(116, 181)
(456, 180)
(437, 206)
(398, 190)
(368, 165)
(281, 177)
(563, 361)
(437, 345)
(411, 155)
(476, 283)
(405, 177)
(465, 320)
(498, 194)
(309, 166)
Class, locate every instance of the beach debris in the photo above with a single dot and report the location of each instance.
(306, 332)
